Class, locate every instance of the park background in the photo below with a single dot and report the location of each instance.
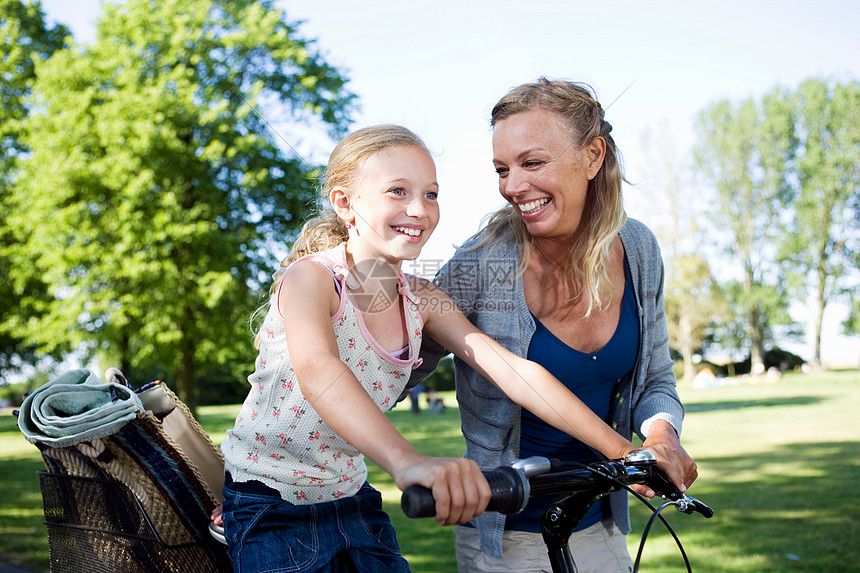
(438, 67)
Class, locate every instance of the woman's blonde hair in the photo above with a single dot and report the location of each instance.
(326, 230)
(603, 216)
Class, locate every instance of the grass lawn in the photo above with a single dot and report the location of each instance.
(778, 463)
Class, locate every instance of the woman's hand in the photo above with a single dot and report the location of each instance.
(460, 489)
(678, 467)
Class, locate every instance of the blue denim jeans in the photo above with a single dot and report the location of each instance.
(266, 534)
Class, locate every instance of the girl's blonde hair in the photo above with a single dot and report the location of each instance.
(326, 230)
(604, 214)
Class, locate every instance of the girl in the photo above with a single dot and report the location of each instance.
(337, 346)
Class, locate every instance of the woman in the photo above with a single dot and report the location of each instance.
(562, 277)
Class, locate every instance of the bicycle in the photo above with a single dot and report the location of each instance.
(512, 485)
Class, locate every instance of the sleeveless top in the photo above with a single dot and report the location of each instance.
(592, 377)
(279, 439)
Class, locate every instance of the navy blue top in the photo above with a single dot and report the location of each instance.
(591, 377)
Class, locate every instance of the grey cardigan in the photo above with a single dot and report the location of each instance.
(485, 285)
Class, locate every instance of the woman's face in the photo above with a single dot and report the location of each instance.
(542, 174)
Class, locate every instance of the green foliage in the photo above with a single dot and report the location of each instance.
(824, 233)
(786, 170)
(155, 187)
(442, 379)
(746, 151)
(693, 305)
(25, 40)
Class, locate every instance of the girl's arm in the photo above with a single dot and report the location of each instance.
(460, 490)
(526, 383)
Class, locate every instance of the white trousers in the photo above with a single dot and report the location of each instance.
(601, 548)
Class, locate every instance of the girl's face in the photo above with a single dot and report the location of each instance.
(541, 173)
(392, 207)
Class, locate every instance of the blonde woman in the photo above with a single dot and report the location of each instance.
(562, 277)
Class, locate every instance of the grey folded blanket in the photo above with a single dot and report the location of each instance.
(75, 407)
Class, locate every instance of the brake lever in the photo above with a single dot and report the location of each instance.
(664, 488)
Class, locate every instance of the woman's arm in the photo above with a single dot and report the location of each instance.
(526, 383)
(335, 393)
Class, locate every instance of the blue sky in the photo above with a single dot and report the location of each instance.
(439, 66)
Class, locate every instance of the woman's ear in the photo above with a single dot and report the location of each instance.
(595, 152)
(340, 202)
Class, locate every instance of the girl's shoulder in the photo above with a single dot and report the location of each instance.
(333, 259)
(307, 278)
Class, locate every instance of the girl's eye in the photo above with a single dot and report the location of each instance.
(397, 191)
(434, 195)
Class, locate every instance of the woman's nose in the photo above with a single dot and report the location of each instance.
(515, 184)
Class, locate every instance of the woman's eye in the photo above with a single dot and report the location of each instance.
(501, 171)
(532, 163)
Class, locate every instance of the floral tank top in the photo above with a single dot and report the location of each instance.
(279, 439)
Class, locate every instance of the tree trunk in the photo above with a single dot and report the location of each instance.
(687, 350)
(821, 302)
(754, 328)
(125, 356)
(187, 387)
(756, 334)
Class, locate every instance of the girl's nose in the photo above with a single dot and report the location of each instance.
(417, 208)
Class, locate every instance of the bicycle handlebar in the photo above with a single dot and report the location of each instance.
(506, 486)
(512, 485)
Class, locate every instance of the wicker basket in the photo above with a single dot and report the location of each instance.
(137, 500)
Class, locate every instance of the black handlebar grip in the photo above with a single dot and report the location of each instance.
(507, 494)
(663, 486)
(417, 501)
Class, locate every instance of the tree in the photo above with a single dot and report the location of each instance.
(744, 151)
(25, 39)
(691, 301)
(155, 185)
(825, 224)
(692, 305)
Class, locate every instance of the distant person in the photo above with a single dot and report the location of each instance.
(562, 277)
(337, 346)
(415, 398)
(435, 403)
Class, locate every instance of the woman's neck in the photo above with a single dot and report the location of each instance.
(552, 254)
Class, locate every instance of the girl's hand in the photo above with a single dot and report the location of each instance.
(216, 515)
(460, 489)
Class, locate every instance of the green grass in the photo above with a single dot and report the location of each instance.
(778, 462)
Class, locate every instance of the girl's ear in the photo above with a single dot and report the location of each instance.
(595, 152)
(340, 201)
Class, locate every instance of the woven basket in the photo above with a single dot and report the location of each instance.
(138, 500)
